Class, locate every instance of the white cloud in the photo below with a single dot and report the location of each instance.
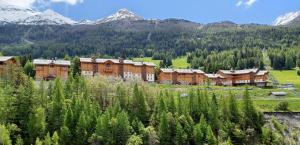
(246, 3)
(37, 3)
(239, 3)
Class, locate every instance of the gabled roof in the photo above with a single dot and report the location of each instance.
(55, 62)
(213, 76)
(244, 71)
(5, 58)
(116, 61)
(262, 72)
(169, 70)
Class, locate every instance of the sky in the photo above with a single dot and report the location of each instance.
(202, 11)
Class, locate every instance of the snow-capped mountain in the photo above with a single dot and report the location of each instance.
(48, 17)
(17, 15)
(13, 14)
(288, 18)
(122, 14)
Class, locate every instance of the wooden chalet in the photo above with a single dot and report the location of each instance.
(244, 77)
(181, 76)
(4, 62)
(51, 69)
(126, 69)
(215, 79)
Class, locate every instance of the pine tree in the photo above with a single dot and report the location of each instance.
(181, 136)
(56, 117)
(19, 140)
(37, 124)
(65, 136)
(55, 138)
(28, 69)
(81, 132)
(76, 66)
(200, 131)
(121, 94)
(134, 140)
(4, 136)
(233, 108)
(139, 106)
(150, 136)
(47, 139)
(210, 137)
(164, 134)
(214, 114)
(38, 141)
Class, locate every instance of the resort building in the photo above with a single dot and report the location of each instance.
(181, 76)
(126, 69)
(215, 79)
(244, 77)
(4, 62)
(51, 69)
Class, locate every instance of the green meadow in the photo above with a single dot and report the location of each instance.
(180, 62)
(287, 76)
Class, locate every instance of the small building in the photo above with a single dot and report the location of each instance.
(51, 69)
(126, 69)
(244, 77)
(215, 79)
(4, 62)
(181, 76)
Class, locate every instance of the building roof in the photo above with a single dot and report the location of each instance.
(5, 58)
(169, 70)
(117, 61)
(55, 62)
(214, 76)
(262, 72)
(244, 71)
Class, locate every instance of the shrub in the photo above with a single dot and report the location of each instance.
(282, 106)
(298, 72)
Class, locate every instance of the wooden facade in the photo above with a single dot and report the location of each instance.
(181, 76)
(215, 79)
(125, 69)
(244, 77)
(51, 69)
(4, 62)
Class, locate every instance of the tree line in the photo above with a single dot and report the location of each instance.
(96, 111)
(212, 61)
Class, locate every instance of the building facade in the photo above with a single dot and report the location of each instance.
(126, 69)
(181, 76)
(51, 69)
(215, 79)
(4, 62)
(244, 77)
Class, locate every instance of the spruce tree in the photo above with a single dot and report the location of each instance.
(56, 117)
(37, 124)
(163, 131)
(210, 137)
(181, 136)
(55, 138)
(233, 108)
(47, 139)
(4, 136)
(139, 106)
(81, 130)
(214, 114)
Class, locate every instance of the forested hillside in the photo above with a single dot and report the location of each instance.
(98, 111)
(141, 38)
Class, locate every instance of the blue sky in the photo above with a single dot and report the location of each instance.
(202, 11)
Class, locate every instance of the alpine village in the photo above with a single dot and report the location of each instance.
(128, 80)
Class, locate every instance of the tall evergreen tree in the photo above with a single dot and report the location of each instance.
(139, 106)
(56, 117)
(37, 124)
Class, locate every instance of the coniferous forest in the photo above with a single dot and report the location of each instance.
(99, 110)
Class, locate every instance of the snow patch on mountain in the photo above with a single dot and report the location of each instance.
(48, 17)
(17, 15)
(122, 14)
(287, 18)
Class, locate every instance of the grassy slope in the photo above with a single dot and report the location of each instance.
(287, 76)
(180, 62)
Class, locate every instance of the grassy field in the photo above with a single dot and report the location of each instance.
(180, 62)
(287, 76)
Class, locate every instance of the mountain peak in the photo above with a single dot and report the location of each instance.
(287, 18)
(122, 14)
